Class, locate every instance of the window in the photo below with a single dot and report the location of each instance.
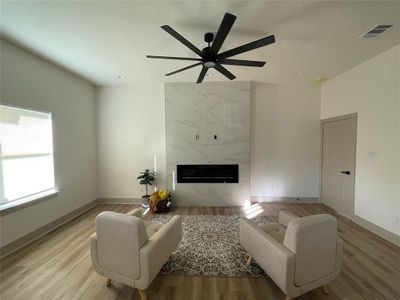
(26, 148)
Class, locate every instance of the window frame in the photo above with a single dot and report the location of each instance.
(16, 204)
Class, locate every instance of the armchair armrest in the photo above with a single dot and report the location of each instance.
(94, 254)
(271, 255)
(137, 212)
(155, 253)
(339, 253)
(285, 217)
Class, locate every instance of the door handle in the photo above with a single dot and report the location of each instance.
(345, 172)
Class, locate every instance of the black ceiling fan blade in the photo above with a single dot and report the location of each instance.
(182, 40)
(202, 74)
(173, 57)
(183, 69)
(224, 71)
(248, 47)
(222, 33)
(241, 62)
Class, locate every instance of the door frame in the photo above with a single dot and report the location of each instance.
(354, 117)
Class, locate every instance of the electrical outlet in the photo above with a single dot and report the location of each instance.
(276, 187)
(398, 220)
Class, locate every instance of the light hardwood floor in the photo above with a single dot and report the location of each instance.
(57, 266)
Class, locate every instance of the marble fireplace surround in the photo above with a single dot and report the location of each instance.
(195, 114)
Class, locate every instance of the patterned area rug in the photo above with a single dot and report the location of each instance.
(210, 247)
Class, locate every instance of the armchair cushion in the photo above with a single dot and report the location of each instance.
(285, 217)
(152, 227)
(275, 230)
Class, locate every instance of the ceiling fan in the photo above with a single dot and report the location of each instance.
(209, 56)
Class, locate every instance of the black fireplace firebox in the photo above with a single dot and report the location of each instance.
(207, 173)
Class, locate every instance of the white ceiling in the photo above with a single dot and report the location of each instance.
(100, 40)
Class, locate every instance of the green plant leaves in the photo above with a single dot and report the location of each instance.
(146, 177)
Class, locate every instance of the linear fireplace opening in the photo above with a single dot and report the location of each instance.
(208, 173)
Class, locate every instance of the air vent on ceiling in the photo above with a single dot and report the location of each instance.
(374, 31)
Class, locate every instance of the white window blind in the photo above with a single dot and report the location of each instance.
(26, 142)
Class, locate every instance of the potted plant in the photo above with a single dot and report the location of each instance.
(146, 178)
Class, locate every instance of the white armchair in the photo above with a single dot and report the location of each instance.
(299, 254)
(128, 250)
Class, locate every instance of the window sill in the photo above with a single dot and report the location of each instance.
(12, 206)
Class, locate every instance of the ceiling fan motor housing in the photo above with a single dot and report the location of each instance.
(208, 57)
(209, 37)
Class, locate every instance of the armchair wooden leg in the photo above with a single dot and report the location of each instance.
(324, 289)
(249, 260)
(288, 298)
(108, 282)
(142, 294)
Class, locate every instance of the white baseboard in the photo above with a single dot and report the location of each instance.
(34, 235)
(119, 201)
(285, 199)
(379, 231)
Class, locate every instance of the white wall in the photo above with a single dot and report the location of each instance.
(30, 82)
(131, 131)
(372, 89)
(285, 138)
(285, 147)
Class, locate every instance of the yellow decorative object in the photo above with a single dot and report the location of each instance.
(163, 194)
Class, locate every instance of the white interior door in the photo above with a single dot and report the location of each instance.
(338, 163)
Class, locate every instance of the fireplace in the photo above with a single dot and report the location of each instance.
(207, 173)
